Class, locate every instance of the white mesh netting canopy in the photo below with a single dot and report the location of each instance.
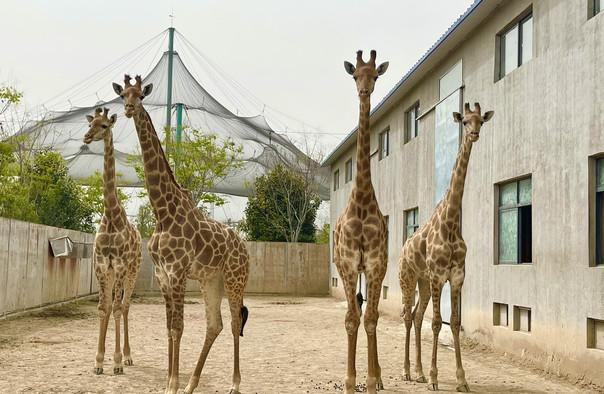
(63, 130)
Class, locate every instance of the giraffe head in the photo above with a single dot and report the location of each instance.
(100, 125)
(132, 95)
(472, 121)
(365, 74)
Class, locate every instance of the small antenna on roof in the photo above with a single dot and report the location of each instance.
(172, 18)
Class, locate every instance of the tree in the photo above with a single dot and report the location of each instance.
(322, 235)
(57, 198)
(14, 201)
(283, 207)
(145, 220)
(93, 194)
(8, 96)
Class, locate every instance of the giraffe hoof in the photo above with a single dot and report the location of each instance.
(233, 391)
(118, 370)
(128, 361)
(379, 386)
(421, 379)
(463, 388)
(433, 386)
(407, 377)
(98, 371)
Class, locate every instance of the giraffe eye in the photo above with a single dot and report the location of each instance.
(481, 123)
(142, 97)
(375, 78)
(122, 96)
(104, 126)
(465, 123)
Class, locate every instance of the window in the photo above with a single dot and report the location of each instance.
(593, 8)
(411, 223)
(516, 46)
(500, 314)
(384, 143)
(515, 222)
(522, 319)
(348, 171)
(385, 292)
(412, 123)
(336, 180)
(334, 282)
(595, 334)
(600, 211)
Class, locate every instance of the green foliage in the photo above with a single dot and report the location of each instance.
(322, 235)
(8, 96)
(57, 198)
(145, 220)
(14, 201)
(282, 209)
(93, 194)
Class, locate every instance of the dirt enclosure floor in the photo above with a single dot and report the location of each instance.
(291, 345)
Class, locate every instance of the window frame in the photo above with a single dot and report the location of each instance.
(348, 171)
(385, 133)
(597, 207)
(414, 111)
(336, 180)
(594, 7)
(518, 23)
(521, 208)
(415, 225)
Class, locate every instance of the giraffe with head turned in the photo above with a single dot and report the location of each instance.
(436, 253)
(187, 244)
(361, 234)
(117, 254)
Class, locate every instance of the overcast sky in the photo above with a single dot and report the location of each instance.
(289, 54)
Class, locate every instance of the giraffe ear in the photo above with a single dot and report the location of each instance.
(488, 116)
(382, 68)
(349, 67)
(89, 118)
(117, 89)
(113, 118)
(147, 90)
(457, 117)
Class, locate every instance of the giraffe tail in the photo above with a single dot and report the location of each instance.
(360, 301)
(244, 314)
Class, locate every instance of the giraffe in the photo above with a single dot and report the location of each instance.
(360, 237)
(187, 244)
(436, 253)
(117, 254)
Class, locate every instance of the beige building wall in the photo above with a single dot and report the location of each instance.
(549, 125)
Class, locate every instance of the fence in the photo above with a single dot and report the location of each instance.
(30, 276)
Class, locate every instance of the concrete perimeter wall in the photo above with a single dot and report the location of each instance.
(30, 276)
(275, 267)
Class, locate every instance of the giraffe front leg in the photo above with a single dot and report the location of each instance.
(125, 314)
(418, 319)
(352, 322)
(118, 367)
(437, 322)
(462, 384)
(105, 279)
(407, 281)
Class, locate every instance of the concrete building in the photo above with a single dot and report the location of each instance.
(532, 210)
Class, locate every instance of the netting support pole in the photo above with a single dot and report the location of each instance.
(178, 130)
(169, 93)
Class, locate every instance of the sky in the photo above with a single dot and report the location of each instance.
(288, 54)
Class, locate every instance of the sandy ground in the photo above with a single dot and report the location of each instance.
(291, 345)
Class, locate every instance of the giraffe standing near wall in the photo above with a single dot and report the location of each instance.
(187, 244)
(117, 254)
(361, 234)
(436, 253)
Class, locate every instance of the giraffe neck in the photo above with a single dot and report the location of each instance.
(454, 193)
(362, 180)
(111, 200)
(159, 177)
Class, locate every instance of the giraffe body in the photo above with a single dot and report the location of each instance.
(360, 237)
(436, 254)
(117, 253)
(187, 244)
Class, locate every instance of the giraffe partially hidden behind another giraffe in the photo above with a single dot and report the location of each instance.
(360, 237)
(187, 244)
(436, 253)
(117, 254)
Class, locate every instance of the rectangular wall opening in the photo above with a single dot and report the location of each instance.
(500, 314)
(522, 319)
(595, 334)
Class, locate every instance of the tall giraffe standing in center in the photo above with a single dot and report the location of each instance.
(436, 253)
(361, 234)
(187, 244)
(117, 254)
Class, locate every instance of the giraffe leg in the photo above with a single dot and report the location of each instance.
(212, 296)
(407, 281)
(436, 289)
(352, 322)
(374, 379)
(462, 384)
(178, 299)
(418, 318)
(118, 367)
(106, 280)
(126, 309)
(162, 280)
(236, 306)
